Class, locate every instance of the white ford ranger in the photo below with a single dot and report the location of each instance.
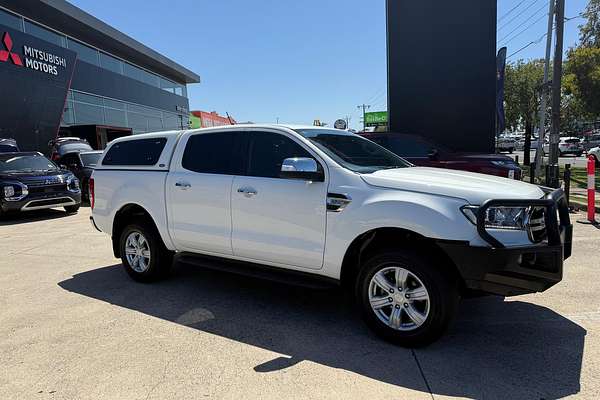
(307, 204)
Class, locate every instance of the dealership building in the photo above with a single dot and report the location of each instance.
(63, 70)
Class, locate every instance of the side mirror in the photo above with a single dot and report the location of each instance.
(301, 168)
(434, 154)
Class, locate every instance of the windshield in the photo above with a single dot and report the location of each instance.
(352, 151)
(10, 163)
(90, 159)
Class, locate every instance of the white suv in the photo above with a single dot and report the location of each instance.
(306, 205)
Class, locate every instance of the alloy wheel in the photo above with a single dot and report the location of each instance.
(137, 251)
(399, 298)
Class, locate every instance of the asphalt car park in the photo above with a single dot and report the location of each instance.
(73, 325)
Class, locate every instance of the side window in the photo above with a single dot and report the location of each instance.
(214, 153)
(267, 152)
(409, 147)
(142, 152)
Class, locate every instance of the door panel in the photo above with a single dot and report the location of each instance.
(284, 222)
(277, 220)
(199, 190)
(201, 213)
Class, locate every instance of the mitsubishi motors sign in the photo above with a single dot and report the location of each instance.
(35, 77)
(21, 50)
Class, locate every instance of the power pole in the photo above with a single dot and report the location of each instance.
(553, 168)
(544, 93)
(348, 119)
(364, 108)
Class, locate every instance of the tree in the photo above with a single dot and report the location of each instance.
(523, 82)
(590, 31)
(582, 79)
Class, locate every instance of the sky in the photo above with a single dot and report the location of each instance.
(293, 62)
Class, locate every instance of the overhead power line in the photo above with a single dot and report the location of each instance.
(536, 13)
(511, 10)
(518, 15)
(541, 38)
(513, 37)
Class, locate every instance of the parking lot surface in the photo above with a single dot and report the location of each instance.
(74, 326)
(576, 162)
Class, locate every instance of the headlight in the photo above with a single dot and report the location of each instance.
(514, 218)
(15, 191)
(72, 183)
(9, 191)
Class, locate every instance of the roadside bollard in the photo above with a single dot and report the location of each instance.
(591, 189)
(567, 180)
(517, 159)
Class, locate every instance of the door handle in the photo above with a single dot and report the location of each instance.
(183, 185)
(248, 192)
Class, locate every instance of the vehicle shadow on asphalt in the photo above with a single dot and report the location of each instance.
(495, 349)
(31, 216)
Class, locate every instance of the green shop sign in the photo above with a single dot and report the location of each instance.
(376, 118)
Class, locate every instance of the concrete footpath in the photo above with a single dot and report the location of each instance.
(74, 326)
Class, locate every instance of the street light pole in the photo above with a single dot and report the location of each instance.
(364, 108)
(553, 168)
(544, 93)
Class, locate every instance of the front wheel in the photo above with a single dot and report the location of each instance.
(144, 256)
(406, 298)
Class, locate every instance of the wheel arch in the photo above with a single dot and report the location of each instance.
(389, 238)
(126, 214)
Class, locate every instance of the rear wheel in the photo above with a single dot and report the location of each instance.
(145, 257)
(406, 298)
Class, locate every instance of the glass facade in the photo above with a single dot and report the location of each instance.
(92, 55)
(11, 20)
(86, 109)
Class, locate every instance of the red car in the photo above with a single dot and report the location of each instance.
(422, 152)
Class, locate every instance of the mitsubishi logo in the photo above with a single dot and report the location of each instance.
(4, 54)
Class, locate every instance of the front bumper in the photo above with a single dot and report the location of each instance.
(516, 270)
(42, 201)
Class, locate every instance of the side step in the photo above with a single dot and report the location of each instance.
(259, 271)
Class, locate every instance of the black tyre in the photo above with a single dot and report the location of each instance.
(144, 256)
(72, 209)
(406, 298)
(511, 150)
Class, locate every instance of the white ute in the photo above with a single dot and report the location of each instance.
(314, 205)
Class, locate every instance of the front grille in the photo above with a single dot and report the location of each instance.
(48, 188)
(537, 224)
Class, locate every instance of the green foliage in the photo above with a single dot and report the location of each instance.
(590, 31)
(523, 81)
(582, 79)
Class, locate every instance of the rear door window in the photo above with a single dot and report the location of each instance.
(215, 153)
(141, 152)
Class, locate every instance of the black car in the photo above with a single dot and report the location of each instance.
(65, 145)
(29, 181)
(8, 146)
(81, 164)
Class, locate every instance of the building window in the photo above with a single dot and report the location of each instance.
(10, 20)
(114, 113)
(84, 53)
(110, 63)
(87, 114)
(44, 34)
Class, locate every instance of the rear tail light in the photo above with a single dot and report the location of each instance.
(55, 157)
(91, 189)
